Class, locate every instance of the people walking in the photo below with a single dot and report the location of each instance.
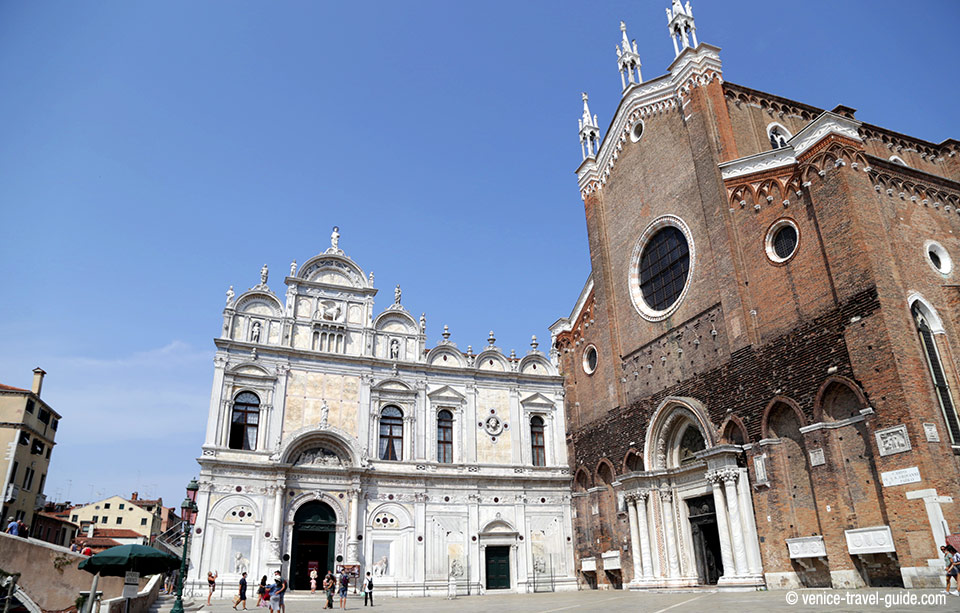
(328, 586)
(953, 569)
(242, 596)
(263, 595)
(13, 527)
(280, 584)
(344, 585)
(211, 583)
(368, 589)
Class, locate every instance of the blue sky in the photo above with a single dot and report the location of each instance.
(152, 154)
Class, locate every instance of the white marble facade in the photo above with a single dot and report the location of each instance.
(315, 371)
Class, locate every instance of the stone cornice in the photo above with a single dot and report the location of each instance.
(826, 123)
(267, 354)
(758, 162)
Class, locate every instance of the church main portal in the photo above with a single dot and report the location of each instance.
(314, 537)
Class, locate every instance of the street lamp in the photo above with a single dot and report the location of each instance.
(188, 512)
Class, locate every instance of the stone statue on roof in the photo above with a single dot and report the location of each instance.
(335, 238)
(263, 274)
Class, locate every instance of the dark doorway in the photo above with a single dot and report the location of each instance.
(498, 568)
(706, 539)
(314, 536)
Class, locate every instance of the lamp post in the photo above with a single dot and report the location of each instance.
(188, 509)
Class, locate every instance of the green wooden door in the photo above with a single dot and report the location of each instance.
(498, 568)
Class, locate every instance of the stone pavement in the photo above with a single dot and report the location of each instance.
(648, 602)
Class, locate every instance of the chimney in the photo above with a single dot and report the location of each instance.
(133, 496)
(37, 380)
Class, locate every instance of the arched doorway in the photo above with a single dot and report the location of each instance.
(314, 539)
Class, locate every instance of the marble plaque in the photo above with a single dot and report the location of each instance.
(900, 477)
(931, 432)
(816, 457)
(893, 440)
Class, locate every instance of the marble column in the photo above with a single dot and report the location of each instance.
(670, 533)
(643, 528)
(729, 477)
(749, 523)
(634, 538)
(352, 543)
(723, 526)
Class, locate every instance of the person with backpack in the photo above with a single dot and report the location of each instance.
(344, 584)
(368, 589)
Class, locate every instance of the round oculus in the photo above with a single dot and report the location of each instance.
(783, 239)
(637, 131)
(938, 257)
(664, 266)
(590, 359)
(661, 268)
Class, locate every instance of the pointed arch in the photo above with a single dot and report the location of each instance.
(732, 429)
(671, 416)
(582, 481)
(774, 403)
(632, 461)
(828, 391)
(605, 473)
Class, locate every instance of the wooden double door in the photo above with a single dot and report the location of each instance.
(498, 567)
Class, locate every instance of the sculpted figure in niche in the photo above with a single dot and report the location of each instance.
(324, 414)
(255, 332)
(394, 349)
(240, 563)
(328, 310)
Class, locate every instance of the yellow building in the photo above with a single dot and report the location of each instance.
(27, 428)
(141, 516)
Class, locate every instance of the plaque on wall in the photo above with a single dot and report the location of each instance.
(816, 457)
(900, 477)
(931, 432)
(893, 440)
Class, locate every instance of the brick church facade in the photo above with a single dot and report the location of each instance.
(761, 371)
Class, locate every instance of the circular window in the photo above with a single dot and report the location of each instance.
(589, 359)
(783, 237)
(637, 131)
(661, 267)
(938, 257)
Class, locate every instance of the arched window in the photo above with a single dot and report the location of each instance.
(936, 371)
(778, 135)
(445, 437)
(537, 443)
(391, 434)
(244, 421)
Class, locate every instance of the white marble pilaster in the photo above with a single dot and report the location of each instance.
(644, 530)
(729, 477)
(470, 422)
(352, 543)
(215, 415)
(751, 539)
(670, 534)
(634, 538)
(723, 526)
(518, 429)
